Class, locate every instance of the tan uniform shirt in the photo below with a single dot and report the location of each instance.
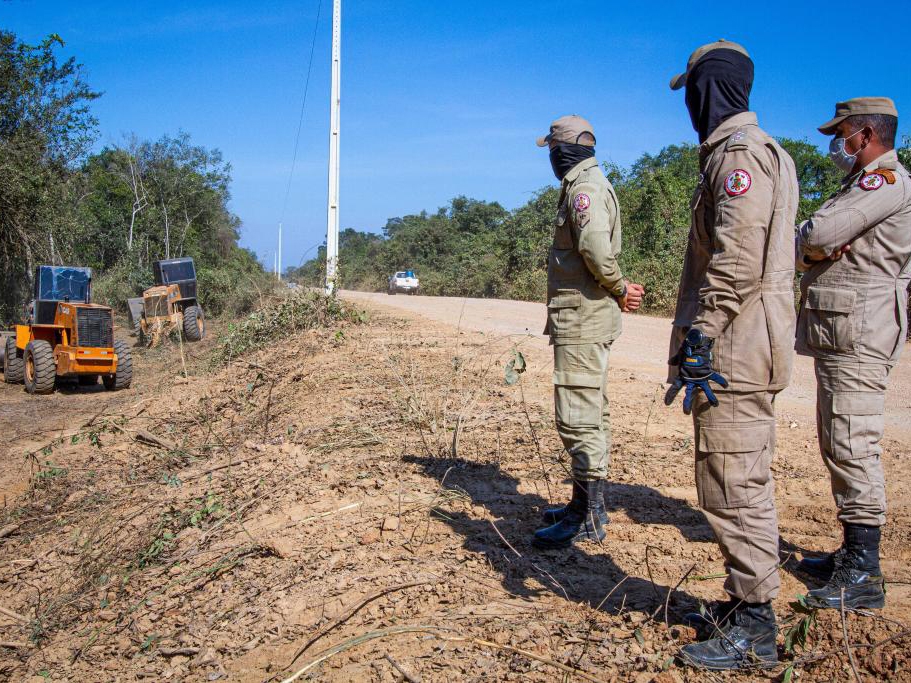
(737, 281)
(856, 307)
(583, 276)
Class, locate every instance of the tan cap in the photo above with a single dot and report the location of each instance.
(569, 129)
(857, 106)
(679, 80)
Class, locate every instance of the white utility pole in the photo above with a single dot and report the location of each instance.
(278, 270)
(335, 105)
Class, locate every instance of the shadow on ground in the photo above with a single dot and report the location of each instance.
(576, 574)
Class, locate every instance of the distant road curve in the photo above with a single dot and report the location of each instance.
(642, 347)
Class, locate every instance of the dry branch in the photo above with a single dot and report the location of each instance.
(13, 615)
(411, 678)
(351, 612)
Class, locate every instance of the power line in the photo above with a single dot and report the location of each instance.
(300, 121)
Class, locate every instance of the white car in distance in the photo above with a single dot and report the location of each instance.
(403, 281)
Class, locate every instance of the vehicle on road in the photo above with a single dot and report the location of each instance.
(403, 281)
(67, 337)
(170, 304)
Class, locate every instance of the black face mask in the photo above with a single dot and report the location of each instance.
(717, 88)
(565, 155)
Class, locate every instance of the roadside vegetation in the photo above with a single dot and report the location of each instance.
(479, 249)
(115, 210)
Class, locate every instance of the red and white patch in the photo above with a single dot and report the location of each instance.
(737, 183)
(581, 202)
(871, 181)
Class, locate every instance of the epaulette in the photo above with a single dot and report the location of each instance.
(886, 173)
(737, 141)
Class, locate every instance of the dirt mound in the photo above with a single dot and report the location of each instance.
(355, 503)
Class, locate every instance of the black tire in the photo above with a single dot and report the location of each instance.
(40, 367)
(137, 325)
(13, 364)
(194, 323)
(124, 375)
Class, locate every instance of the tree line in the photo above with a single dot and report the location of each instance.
(479, 249)
(114, 210)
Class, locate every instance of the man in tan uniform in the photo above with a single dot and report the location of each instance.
(733, 326)
(856, 251)
(585, 295)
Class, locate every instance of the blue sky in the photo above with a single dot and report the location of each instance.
(445, 98)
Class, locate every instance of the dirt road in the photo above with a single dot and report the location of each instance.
(642, 347)
(356, 499)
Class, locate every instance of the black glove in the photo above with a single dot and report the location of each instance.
(695, 362)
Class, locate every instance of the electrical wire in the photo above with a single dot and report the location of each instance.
(300, 121)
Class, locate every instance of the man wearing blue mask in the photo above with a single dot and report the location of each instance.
(856, 255)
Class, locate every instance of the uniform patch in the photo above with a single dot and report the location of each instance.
(871, 181)
(581, 202)
(737, 183)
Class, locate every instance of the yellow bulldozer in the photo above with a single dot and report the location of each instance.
(66, 338)
(170, 304)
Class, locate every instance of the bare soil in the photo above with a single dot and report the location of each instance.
(356, 504)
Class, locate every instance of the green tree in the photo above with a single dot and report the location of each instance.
(45, 128)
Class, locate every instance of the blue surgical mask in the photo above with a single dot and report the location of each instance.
(839, 156)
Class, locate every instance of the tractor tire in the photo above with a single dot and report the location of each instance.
(40, 367)
(13, 365)
(124, 375)
(194, 323)
(137, 327)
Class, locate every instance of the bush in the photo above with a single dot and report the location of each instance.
(298, 310)
(121, 282)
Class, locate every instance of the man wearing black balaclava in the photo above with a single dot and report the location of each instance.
(731, 346)
(585, 294)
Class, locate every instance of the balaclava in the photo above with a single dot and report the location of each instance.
(565, 155)
(717, 88)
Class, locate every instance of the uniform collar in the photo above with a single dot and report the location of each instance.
(888, 160)
(576, 170)
(726, 129)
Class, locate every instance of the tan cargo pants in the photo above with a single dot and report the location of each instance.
(735, 442)
(850, 399)
(581, 407)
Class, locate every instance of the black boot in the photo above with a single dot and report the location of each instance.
(746, 640)
(822, 567)
(582, 519)
(858, 575)
(714, 618)
(554, 515)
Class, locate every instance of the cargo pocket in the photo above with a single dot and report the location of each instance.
(857, 425)
(578, 399)
(733, 466)
(564, 320)
(830, 324)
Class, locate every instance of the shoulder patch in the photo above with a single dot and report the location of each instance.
(872, 181)
(737, 182)
(736, 141)
(581, 202)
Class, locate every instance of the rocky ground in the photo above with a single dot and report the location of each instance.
(355, 503)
